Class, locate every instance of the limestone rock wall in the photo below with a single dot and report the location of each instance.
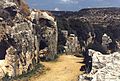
(72, 44)
(21, 52)
(21, 34)
(46, 31)
(104, 67)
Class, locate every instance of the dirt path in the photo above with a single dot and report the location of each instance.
(66, 68)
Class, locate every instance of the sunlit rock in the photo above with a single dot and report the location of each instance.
(104, 67)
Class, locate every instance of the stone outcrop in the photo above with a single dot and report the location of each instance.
(72, 44)
(104, 67)
(23, 34)
(46, 31)
(69, 43)
(106, 41)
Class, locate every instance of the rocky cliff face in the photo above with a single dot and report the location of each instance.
(90, 25)
(104, 67)
(23, 34)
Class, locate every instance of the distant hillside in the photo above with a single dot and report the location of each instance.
(95, 20)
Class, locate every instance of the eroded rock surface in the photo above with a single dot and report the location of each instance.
(21, 33)
(104, 67)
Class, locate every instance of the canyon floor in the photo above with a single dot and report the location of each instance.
(65, 68)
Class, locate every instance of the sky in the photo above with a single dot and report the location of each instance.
(71, 5)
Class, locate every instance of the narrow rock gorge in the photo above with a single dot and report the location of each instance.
(29, 35)
(98, 33)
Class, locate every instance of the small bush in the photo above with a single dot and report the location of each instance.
(24, 9)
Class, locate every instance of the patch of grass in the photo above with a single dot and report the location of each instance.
(56, 56)
(25, 76)
(6, 77)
